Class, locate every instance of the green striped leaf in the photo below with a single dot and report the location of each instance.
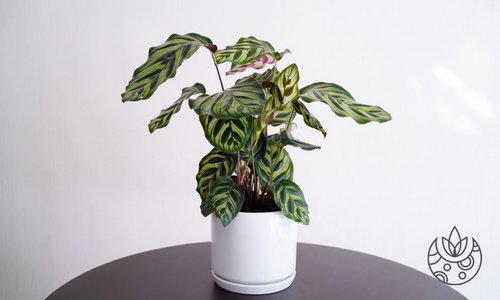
(276, 164)
(162, 64)
(289, 197)
(285, 88)
(226, 198)
(244, 99)
(270, 115)
(259, 151)
(262, 120)
(283, 116)
(286, 138)
(309, 119)
(164, 118)
(342, 103)
(212, 166)
(268, 76)
(244, 51)
(226, 135)
(206, 209)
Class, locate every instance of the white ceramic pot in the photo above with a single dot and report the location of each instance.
(255, 254)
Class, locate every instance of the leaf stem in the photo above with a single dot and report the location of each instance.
(218, 73)
(238, 167)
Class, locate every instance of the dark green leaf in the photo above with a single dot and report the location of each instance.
(259, 151)
(205, 208)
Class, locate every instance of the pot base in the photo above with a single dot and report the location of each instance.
(254, 289)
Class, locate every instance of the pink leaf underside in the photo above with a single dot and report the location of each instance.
(256, 64)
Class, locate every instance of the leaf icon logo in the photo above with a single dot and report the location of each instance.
(454, 260)
(454, 245)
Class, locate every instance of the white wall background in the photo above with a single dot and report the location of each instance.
(82, 182)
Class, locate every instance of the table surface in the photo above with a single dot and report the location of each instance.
(183, 272)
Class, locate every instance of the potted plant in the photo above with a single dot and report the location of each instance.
(248, 170)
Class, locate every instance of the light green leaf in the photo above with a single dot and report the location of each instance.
(268, 76)
(244, 99)
(226, 135)
(269, 114)
(289, 197)
(162, 64)
(164, 118)
(309, 119)
(285, 87)
(283, 116)
(244, 51)
(212, 166)
(262, 120)
(276, 164)
(226, 198)
(342, 103)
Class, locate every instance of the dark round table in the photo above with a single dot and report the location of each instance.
(183, 272)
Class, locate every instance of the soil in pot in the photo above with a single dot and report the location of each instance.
(267, 204)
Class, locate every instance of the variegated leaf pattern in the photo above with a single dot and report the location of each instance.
(289, 197)
(205, 208)
(226, 198)
(262, 120)
(276, 162)
(226, 135)
(259, 151)
(256, 64)
(286, 138)
(246, 98)
(283, 116)
(162, 64)
(164, 118)
(342, 103)
(285, 87)
(309, 119)
(244, 51)
(273, 116)
(267, 76)
(212, 166)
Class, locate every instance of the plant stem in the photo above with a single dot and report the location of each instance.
(218, 73)
(238, 164)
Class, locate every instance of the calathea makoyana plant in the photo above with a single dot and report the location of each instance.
(248, 169)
